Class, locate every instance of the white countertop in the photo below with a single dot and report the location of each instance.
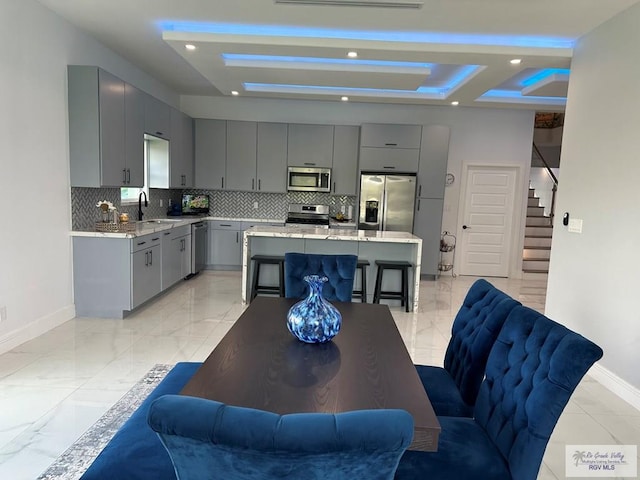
(333, 234)
(147, 228)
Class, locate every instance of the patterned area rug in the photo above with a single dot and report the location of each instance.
(79, 456)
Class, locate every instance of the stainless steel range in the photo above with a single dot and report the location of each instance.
(312, 216)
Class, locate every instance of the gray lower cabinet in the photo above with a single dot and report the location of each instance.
(427, 225)
(225, 245)
(176, 255)
(210, 153)
(112, 276)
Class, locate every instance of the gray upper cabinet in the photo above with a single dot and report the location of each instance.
(181, 150)
(391, 136)
(345, 159)
(210, 153)
(310, 146)
(272, 157)
(401, 160)
(434, 156)
(241, 156)
(102, 109)
(157, 118)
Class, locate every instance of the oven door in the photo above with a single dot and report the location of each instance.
(300, 179)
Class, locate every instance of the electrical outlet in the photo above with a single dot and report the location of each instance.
(161, 203)
(3, 313)
(255, 204)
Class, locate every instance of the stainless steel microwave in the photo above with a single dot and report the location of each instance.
(308, 179)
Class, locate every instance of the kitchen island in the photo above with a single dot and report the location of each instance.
(366, 244)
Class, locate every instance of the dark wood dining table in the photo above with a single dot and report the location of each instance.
(260, 364)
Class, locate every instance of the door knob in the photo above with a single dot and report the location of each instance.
(464, 227)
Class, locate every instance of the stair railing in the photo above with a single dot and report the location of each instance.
(554, 189)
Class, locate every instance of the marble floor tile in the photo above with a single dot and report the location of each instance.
(55, 386)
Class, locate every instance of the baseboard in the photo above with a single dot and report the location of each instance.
(615, 384)
(36, 328)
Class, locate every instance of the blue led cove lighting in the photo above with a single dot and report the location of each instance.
(516, 95)
(541, 75)
(388, 36)
(339, 61)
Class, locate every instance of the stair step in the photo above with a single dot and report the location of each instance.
(535, 265)
(532, 192)
(539, 231)
(533, 202)
(536, 253)
(536, 221)
(532, 242)
(535, 211)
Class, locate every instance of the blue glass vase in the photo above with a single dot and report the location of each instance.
(314, 320)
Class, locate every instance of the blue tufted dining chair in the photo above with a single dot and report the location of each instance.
(209, 440)
(339, 269)
(533, 368)
(453, 389)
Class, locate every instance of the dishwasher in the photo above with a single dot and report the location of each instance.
(198, 247)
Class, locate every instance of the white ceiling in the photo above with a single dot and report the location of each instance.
(448, 50)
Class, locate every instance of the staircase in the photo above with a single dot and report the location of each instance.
(537, 239)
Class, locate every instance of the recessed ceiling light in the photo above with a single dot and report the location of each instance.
(189, 46)
(234, 92)
(455, 102)
(516, 61)
(352, 54)
(344, 99)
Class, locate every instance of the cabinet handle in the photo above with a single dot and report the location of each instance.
(388, 167)
(155, 239)
(146, 259)
(128, 176)
(334, 187)
(222, 182)
(151, 257)
(124, 176)
(237, 237)
(141, 243)
(166, 233)
(159, 133)
(259, 184)
(225, 224)
(184, 180)
(391, 144)
(420, 191)
(418, 205)
(253, 184)
(309, 163)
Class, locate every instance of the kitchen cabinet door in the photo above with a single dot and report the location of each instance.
(225, 245)
(241, 156)
(434, 156)
(146, 274)
(391, 136)
(272, 157)
(211, 152)
(427, 225)
(157, 118)
(181, 150)
(310, 146)
(112, 132)
(345, 160)
(391, 160)
(134, 135)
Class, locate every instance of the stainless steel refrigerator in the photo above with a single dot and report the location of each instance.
(387, 202)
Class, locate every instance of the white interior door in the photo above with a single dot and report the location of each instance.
(485, 235)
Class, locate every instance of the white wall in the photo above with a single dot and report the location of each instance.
(35, 248)
(593, 276)
(478, 136)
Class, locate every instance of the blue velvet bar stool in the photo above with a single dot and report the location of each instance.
(362, 292)
(256, 287)
(403, 293)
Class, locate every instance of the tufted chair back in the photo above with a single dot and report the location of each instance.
(532, 370)
(208, 439)
(475, 329)
(339, 269)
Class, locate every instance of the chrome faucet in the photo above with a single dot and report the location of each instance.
(146, 204)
